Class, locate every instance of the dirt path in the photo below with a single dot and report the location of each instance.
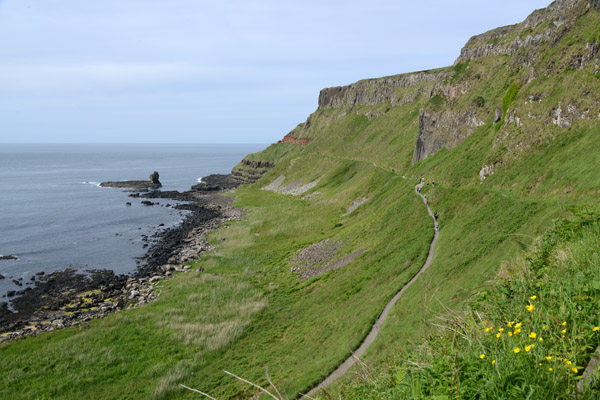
(350, 361)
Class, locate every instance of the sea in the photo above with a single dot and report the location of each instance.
(54, 215)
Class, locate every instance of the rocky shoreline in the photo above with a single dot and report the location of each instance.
(68, 297)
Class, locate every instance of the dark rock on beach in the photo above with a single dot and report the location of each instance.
(217, 182)
(8, 258)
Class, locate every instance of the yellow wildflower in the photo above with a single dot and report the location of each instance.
(500, 329)
(563, 331)
(493, 362)
(532, 335)
(540, 364)
(517, 331)
(569, 362)
(545, 327)
(517, 350)
(485, 322)
(510, 324)
(564, 323)
(482, 356)
(533, 297)
(596, 329)
(530, 308)
(527, 348)
(574, 369)
(488, 329)
(518, 325)
(541, 339)
(549, 369)
(510, 333)
(498, 335)
(548, 358)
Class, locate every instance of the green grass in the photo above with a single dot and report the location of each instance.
(527, 335)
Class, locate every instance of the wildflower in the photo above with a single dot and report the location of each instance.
(510, 324)
(488, 329)
(569, 362)
(530, 308)
(482, 356)
(596, 329)
(540, 364)
(541, 339)
(545, 327)
(517, 331)
(527, 348)
(510, 333)
(549, 369)
(574, 369)
(548, 358)
(533, 297)
(493, 362)
(564, 323)
(485, 322)
(518, 325)
(498, 335)
(517, 350)
(563, 331)
(532, 335)
(500, 329)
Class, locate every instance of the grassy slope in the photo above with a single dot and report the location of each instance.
(247, 310)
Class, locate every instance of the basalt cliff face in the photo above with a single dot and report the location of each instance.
(537, 58)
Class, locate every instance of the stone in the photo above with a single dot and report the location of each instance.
(498, 115)
(154, 177)
(156, 278)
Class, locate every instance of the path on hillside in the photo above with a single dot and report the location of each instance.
(350, 361)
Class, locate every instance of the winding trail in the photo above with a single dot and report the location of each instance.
(350, 361)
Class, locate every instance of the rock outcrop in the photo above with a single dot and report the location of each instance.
(374, 91)
(153, 183)
(443, 129)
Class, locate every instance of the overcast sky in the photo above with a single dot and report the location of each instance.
(196, 71)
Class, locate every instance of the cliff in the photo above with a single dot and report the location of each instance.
(455, 101)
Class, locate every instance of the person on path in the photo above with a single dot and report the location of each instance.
(435, 215)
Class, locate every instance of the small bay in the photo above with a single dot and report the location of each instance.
(53, 214)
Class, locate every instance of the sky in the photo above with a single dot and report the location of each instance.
(196, 71)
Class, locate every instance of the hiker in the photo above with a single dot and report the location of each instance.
(435, 215)
(437, 227)
(426, 201)
(432, 183)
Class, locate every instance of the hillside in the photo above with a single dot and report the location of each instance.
(333, 229)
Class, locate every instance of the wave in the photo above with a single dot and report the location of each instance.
(91, 183)
(199, 180)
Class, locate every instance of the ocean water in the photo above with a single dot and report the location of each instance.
(53, 214)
